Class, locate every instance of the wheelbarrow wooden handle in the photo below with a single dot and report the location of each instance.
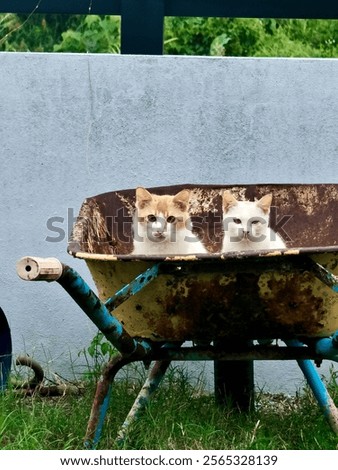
(39, 269)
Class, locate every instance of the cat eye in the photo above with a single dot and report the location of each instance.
(237, 221)
(151, 218)
(171, 219)
(254, 222)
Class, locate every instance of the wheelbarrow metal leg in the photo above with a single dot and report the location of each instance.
(321, 393)
(92, 438)
(318, 388)
(102, 399)
(154, 378)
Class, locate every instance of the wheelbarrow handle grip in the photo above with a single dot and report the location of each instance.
(32, 268)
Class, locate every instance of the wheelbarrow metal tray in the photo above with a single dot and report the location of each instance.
(246, 295)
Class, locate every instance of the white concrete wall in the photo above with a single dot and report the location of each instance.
(73, 126)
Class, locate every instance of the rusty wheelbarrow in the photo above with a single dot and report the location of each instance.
(230, 306)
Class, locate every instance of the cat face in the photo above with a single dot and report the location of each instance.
(245, 221)
(160, 217)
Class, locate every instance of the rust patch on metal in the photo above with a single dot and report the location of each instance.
(90, 231)
(294, 306)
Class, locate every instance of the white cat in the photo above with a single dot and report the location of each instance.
(162, 225)
(246, 225)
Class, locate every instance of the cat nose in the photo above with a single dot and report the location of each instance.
(158, 234)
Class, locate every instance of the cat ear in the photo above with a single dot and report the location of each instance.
(228, 200)
(181, 199)
(265, 202)
(143, 197)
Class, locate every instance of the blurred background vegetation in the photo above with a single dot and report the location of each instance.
(186, 36)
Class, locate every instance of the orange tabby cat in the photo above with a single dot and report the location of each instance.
(162, 225)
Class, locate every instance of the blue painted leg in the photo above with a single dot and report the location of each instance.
(102, 399)
(91, 444)
(150, 386)
(318, 388)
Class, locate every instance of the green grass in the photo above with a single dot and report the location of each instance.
(179, 416)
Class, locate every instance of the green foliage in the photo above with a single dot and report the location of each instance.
(38, 33)
(219, 44)
(59, 33)
(188, 36)
(94, 34)
(99, 351)
(299, 38)
(251, 37)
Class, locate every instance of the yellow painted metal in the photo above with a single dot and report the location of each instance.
(207, 304)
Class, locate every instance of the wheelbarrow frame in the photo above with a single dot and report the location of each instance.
(161, 353)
